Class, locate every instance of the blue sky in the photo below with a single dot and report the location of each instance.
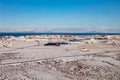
(60, 15)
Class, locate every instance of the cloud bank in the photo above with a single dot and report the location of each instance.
(73, 30)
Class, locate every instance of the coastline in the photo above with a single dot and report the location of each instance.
(52, 33)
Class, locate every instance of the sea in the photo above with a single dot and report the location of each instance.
(38, 33)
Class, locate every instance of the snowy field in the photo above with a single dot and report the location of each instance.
(25, 60)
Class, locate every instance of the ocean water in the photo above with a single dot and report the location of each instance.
(31, 33)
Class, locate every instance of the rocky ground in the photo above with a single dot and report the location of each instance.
(100, 63)
(57, 69)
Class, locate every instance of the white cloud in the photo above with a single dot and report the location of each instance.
(89, 29)
(80, 30)
(23, 29)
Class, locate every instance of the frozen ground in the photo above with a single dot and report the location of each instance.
(26, 61)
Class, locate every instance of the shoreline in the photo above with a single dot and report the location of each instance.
(52, 33)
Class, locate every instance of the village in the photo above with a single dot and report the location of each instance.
(113, 39)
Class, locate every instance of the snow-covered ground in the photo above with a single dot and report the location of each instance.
(25, 60)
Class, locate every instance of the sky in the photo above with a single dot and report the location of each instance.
(60, 15)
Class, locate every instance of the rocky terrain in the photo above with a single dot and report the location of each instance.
(68, 62)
